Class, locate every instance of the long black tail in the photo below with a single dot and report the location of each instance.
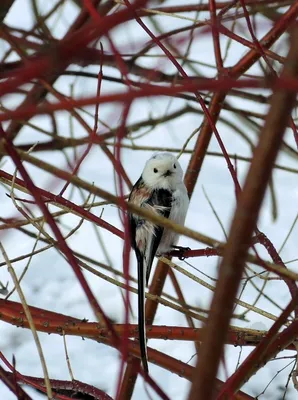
(141, 310)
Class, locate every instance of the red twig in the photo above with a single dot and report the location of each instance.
(244, 372)
(52, 322)
(8, 380)
(215, 107)
(60, 239)
(151, 91)
(260, 48)
(215, 35)
(276, 258)
(205, 7)
(48, 196)
(65, 50)
(30, 382)
(243, 225)
(74, 387)
(92, 134)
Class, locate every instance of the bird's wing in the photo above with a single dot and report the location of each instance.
(139, 196)
(161, 202)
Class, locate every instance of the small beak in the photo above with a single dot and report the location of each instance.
(168, 173)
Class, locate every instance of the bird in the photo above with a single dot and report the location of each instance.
(161, 190)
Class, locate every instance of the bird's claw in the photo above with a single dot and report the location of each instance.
(180, 251)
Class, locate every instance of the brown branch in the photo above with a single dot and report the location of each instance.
(240, 68)
(191, 178)
(247, 368)
(182, 301)
(242, 228)
(38, 91)
(73, 388)
(9, 380)
(61, 201)
(254, 4)
(51, 322)
(57, 323)
(146, 74)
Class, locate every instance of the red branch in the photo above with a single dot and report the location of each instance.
(146, 90)
(60, 239)
(244, 372)
(243, 225)
(65, 50)
(9, 381)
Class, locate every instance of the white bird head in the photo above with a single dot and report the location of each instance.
(162, 171)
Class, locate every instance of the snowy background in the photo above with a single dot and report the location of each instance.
(50, 283)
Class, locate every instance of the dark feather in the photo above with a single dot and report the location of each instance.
(159, 197)
(141, 310)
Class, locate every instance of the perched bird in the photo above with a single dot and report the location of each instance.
(161, 190)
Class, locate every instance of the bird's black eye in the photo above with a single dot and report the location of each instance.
(155, 170)
(175, 166)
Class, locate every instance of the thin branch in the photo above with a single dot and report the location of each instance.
(243, 225)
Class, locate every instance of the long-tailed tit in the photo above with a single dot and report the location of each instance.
(161, 190)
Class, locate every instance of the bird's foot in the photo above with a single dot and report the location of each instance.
(180, 251)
